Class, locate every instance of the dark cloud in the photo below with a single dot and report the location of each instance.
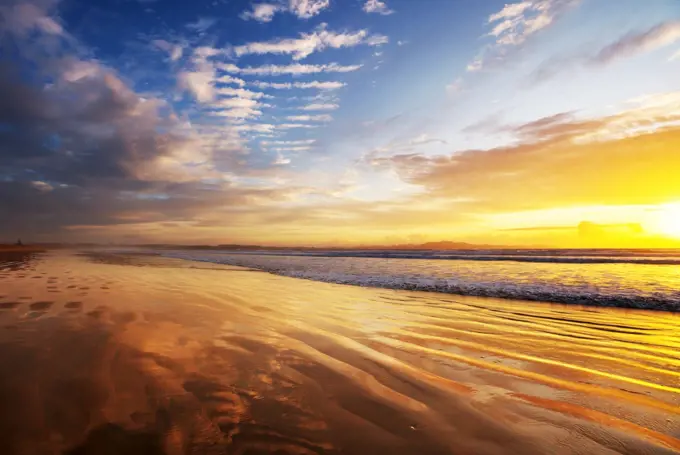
(79, 147)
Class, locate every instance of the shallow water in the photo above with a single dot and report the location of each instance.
(145, 354)
(645, 279)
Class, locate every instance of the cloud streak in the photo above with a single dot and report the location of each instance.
(293, 69)
(632, 44)
(309, 43)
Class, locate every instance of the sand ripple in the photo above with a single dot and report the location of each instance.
(140, 354)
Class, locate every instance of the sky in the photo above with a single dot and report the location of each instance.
(341, 122)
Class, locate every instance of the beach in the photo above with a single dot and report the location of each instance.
(105, 352)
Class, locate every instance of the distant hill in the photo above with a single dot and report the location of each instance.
(442, 245)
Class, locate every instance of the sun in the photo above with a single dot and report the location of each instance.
(668, 221)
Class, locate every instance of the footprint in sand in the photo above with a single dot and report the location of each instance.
(41, 306)
(74, 305)
(9, 305)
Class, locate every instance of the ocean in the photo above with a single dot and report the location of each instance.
(642, 279)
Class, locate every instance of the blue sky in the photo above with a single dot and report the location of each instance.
(315, 105)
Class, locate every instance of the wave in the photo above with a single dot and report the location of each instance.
(394, 275)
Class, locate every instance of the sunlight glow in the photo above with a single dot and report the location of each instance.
(668, 221)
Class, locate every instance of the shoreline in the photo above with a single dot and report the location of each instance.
(669, 304)
(211, 358)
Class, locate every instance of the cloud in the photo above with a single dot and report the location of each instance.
(262, 12)
(320, 107)
(661, 35)
(305, 9)
(310, 118)
(174, 51)
(510, 11)
(630, 45)
(288, 126)
(199, 82)
(309, 43)
(226, 79)
(87, 151)
(292, 149)
(241, 93)
(675, 56)
(326, 85)
(298, 142)
(560, 161)
(377, 6)
(294, 69)
(515, 24)
(202, 24)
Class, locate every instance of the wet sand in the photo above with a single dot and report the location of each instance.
(120, 354)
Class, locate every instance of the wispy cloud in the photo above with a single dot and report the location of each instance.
(320, 107)
(303, 9)
(515, 23)
(661, 35)
(227, 79)
(309, 43)
(298, 142)
(377, 6)
(202, 24)
(262, 12)
(288, 126)
(310, 118)
(675, 56)
(292, 149)
(174, 51)
(294, 69)
(628, 46)
(325, 85)
(241, 93)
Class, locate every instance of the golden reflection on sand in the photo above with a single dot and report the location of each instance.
(125, 354)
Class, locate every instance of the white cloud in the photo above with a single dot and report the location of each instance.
(202, 24)
(255, 128)
(174, 51)
(377, 6)
(329, 85)
(281, 160)
(226, 79)
(675, 56)
(241, 93)
(262, 12)
(320, 107)
(298, 142)
(310, 118)
(309, 43)
(199, 83)
(509, 11)
(377, 40)
(515, 23)
(288, 126)
(291, 149)
(295, 69)
(305, 9)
